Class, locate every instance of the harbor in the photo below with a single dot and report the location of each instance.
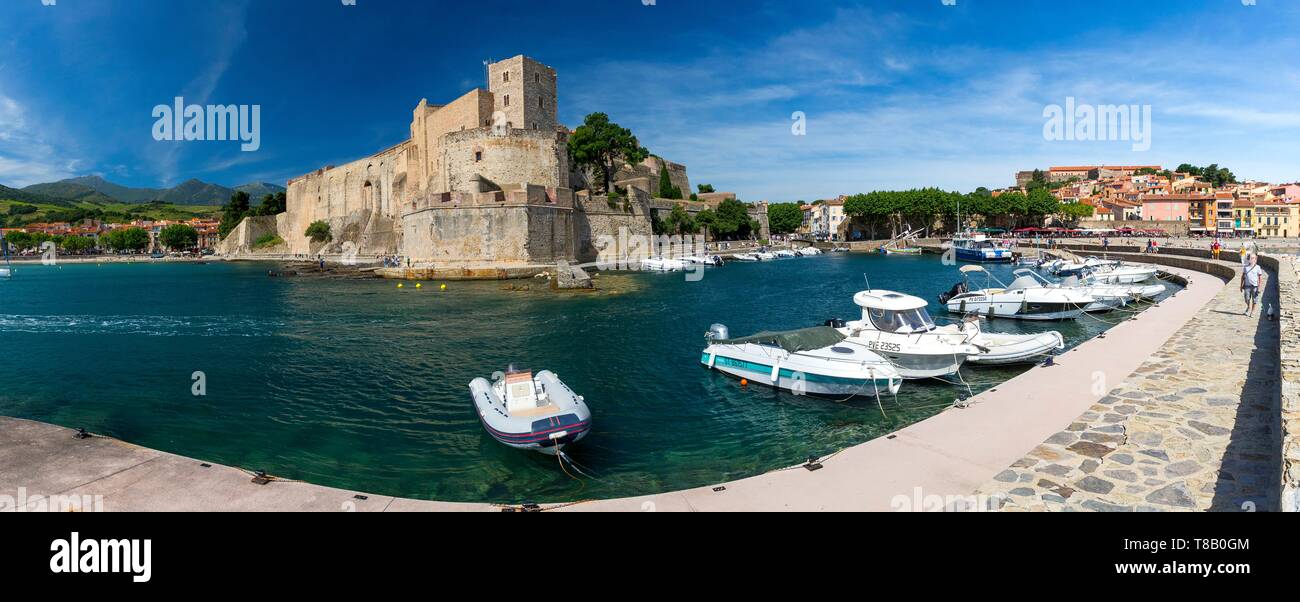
(961, 436)
(956, 454)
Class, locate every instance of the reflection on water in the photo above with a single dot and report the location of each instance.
(362, 385)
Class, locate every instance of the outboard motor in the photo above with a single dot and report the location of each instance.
(835, 323)
(956, 289)
(717, 332)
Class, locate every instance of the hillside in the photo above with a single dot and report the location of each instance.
(14, 213)
(196, 192)
(26, 196)
(95, 189)
(71, 191)
(113, 190)
(257, 190)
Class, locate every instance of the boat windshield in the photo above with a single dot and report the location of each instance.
(901, 322)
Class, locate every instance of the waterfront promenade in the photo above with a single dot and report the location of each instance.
(957, 453)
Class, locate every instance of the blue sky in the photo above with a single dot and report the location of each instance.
(897, 93)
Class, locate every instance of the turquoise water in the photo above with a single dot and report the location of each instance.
(357, 384)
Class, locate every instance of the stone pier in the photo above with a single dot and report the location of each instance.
(1195, 427)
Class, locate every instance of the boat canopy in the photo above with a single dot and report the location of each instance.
(805, 339)
(889, 300)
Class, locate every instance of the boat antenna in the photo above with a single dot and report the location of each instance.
(868, 280)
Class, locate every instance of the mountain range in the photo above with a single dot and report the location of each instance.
(97, 189)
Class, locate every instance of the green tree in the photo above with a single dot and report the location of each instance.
(784, 218)
(135, 239)
(273, 204)
(20, 240)
(666, 188)
(178, 236)
(233, 212)
(319, 231)
(680, 222)
(76, 244)
(731, 220)
(599, 142)
(705, 188)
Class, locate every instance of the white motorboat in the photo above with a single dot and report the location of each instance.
(899, 327)
(766, 256)
(745, 257)
(1105, 297)
(785, 253)
(1118, 273)
(6, 273)
(1023, 299)
(809, 361)
(538, 413)
(809, 251)
(1000, 349)
(662, 264)
(708, 260)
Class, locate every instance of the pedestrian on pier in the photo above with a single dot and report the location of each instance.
(1253, 280)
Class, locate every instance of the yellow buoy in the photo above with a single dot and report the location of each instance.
(419, 285)
(444, 287)
(400, 285)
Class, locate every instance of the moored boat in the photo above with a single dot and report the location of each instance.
(745, 257)
(537, 413)
(979, 248)
(1024, 299)
(808, 361)
(899, 327)
(1001, 349)
(661, 264)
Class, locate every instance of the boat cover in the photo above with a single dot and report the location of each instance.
(805, 339)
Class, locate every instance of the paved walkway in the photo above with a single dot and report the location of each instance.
(1195, 427)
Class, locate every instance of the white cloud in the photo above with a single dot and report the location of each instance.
(26, 157)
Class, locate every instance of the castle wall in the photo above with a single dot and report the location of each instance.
(609, 232)
(521, 156)
(362, 197)
(526, 226)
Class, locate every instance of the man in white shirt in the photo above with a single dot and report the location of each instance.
(1253, 280)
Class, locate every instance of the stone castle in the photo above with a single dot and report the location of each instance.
(483, 182)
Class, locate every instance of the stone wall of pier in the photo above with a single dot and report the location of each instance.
(1289, 304)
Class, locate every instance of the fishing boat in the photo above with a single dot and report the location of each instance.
(1023, 299)
(537, 413)
(899, 327)
(901, 250)
(979, 248)
(1003, 349)
(661, 264)
(812, 361)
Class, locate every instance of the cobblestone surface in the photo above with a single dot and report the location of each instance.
(1290, 304)
(1196, 427)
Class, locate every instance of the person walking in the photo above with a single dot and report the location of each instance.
(1253, 280)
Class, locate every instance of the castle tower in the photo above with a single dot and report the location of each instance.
(525, 92)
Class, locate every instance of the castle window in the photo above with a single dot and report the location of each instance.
(541, 102)
(505, 76)
(537, 77)
(478, 156)
(507, 100)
